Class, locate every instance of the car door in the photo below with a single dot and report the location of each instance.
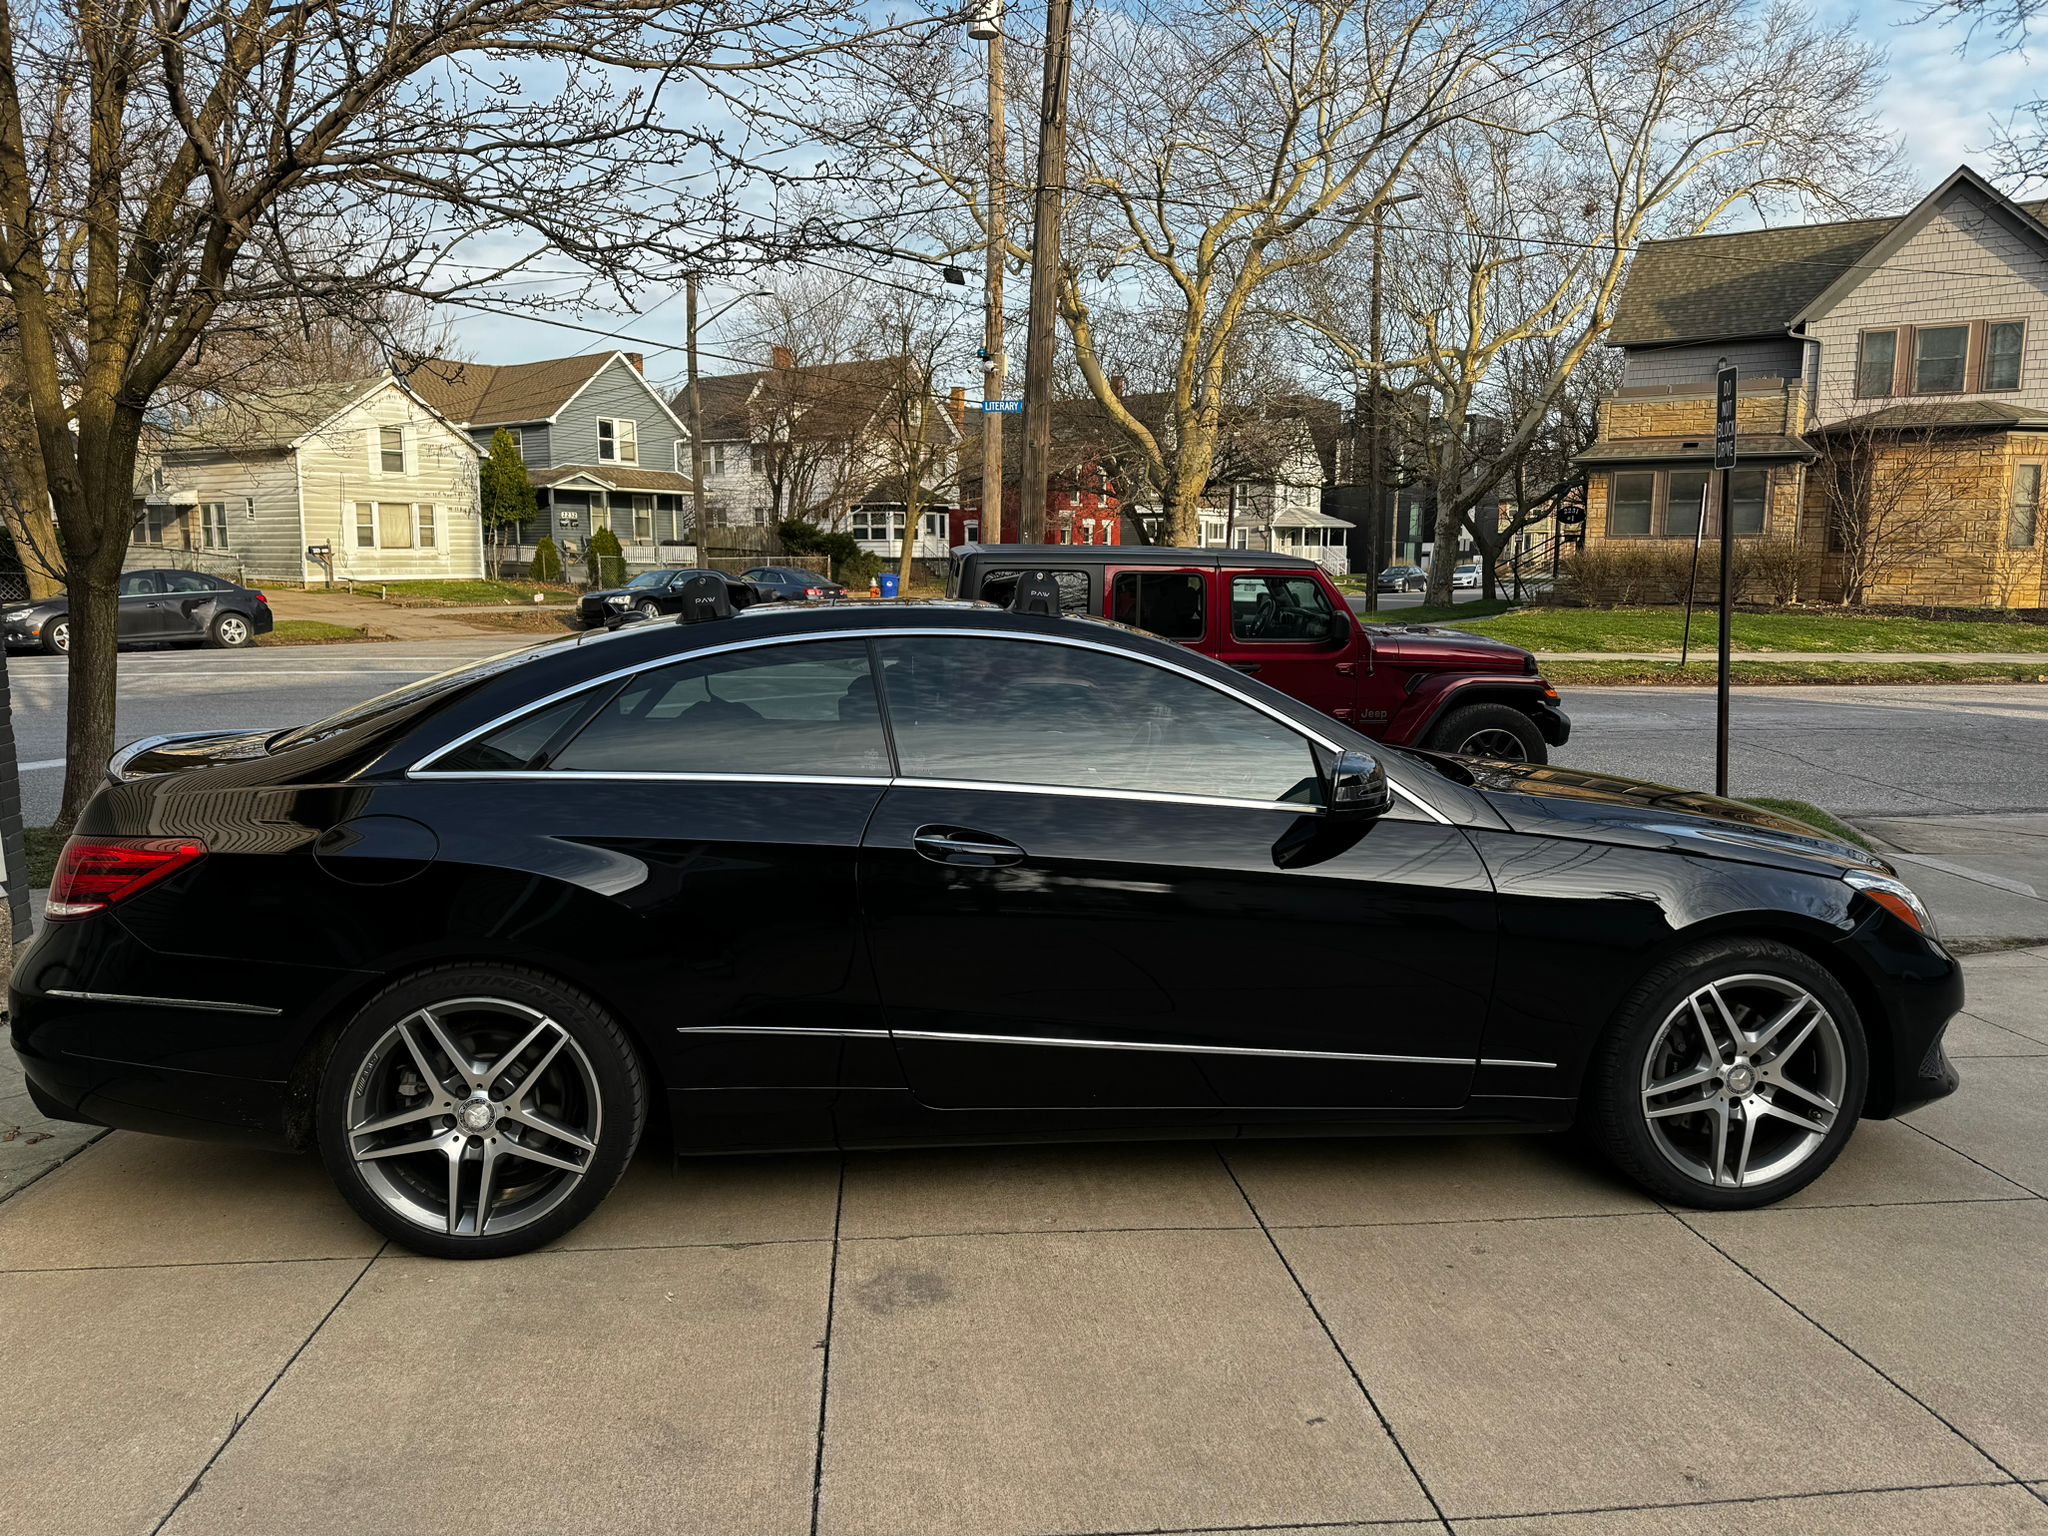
(186, 606)
(1100, 882)
(1280, 626)
(719, 803)
(141, 604)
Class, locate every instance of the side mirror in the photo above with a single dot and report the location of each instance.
(1358, 786)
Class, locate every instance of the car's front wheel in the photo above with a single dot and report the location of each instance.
(650, 609)
(1498, 731)
(475, 1112)
(57, 637)
(1733, 1076)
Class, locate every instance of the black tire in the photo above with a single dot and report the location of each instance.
(620, 1099)
(231, 631)
(57, 636)
(650, 609)
(1612, 1110)
(1480, 730)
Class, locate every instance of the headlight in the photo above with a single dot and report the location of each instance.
(618, 600)
(1896, 897)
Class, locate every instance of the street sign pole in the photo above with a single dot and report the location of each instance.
(1724, 467)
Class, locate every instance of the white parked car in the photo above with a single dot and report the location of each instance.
(1465, 576)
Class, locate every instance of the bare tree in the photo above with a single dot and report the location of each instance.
(916, 441)
(2019, 144)
(1887, 499)
(175, 173)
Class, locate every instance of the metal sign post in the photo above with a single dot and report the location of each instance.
(1724, 467)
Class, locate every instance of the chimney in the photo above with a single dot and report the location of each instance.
(1116, 385)
(957, 404)
(782, 357)
(639, 363)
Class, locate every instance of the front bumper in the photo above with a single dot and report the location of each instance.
(1553, 722)
(1918, 987)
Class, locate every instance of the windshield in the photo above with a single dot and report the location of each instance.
(649, 579)
(408, 697)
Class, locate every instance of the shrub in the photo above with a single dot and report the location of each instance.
(857, 569)
(842, 549)
(605, 561)
(547, 561)
(1620, 574)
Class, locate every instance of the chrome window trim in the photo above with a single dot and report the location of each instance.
(163, 1002)
(957, 1038)
(424, 766)
(804, 1030)
(651, 776)
(1501, 1061)
(1088, 792)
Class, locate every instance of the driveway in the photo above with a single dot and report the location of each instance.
(1479, 1335)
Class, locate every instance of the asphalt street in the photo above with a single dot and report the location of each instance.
(1883, 751)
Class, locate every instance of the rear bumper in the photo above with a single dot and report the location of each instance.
(262, 619)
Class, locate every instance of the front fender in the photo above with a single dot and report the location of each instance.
(1435, 695)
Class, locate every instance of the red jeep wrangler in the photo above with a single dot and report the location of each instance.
(1281, 619)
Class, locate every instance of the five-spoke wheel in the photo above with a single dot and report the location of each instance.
(1732, 1078)
(475, 1114)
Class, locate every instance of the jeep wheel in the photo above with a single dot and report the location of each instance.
(1497, 731)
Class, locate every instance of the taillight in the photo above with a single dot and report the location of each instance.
(262, 599)
(94, 873)
(814, 591)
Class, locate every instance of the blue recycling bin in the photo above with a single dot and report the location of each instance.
(889, 582)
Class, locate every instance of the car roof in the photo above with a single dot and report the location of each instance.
(1127, 554)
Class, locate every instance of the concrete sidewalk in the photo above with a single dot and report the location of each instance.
(1479, 1335)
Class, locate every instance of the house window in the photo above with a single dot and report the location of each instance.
(518, 441)
(394, 525)
(1631, 502)
(1241, 539)
(156, 524)
(427, 530)
(618, 440)
(877, 523)
(391, 450)
(1877, 358)
(757, 458)
(213, 525)
(2024, 525)
(366, 525)
(1939, 355)
(2003, 341)
(643, 519)
(1749, 495)
(1684, 496)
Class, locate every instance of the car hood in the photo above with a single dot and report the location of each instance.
(1595, 807)
(1430, 645)
(23, 610)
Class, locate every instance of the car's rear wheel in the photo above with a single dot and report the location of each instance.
(230, 632)
(476, 1112)
(1498, 731)
(1732, 1078)
(57, 637)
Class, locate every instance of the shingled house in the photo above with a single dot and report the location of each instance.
(1893, 412)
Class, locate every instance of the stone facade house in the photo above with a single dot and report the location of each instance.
(601, 446)
(1892, 416)
(363, 469)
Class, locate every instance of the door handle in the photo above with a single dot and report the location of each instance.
(952, 845)
(1250, 667)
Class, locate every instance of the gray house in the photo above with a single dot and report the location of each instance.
(602, 448)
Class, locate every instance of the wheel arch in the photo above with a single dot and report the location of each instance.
(1432, 701)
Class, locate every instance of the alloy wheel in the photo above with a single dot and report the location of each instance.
(1744, 1081)
(60, 636)
(1501, 745)
(233, 629)
(474, 1117)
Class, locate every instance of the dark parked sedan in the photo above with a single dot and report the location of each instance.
(157, 607)
(788, 584)
(1402, 578)
(650, 595)
(864, 876)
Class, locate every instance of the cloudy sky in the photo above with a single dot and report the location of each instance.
(1943, 105)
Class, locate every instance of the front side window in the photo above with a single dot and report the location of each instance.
(391, 450)
(1632, 498)
(988, 711)
(1170, 604)
(618, 440)
(1939, 353)
(1877, 356)
(2024, 526)
(1685, 493)
(2003, 342)
(139, 584)
(806, 709)
(1280, 608)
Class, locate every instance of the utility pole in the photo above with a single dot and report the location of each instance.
(1045, 257)
(696, 421)
(989, 23)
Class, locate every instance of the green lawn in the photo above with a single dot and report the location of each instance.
(1548, 630)
(466, 593)
(43, 847)
(1700, 673)
(1462, 615)
(308, 632)
(1814, 816)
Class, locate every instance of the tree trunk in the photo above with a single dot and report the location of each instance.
(95, 616)
(34, 532)
(1489, 566)
(912, 512)
(1443, 556)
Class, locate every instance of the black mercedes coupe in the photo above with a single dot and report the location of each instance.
(872, 875)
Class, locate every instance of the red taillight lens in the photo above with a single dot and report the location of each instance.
(94, 873)
(262, 599)
(814, 591)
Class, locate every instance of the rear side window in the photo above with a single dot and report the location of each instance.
(186, 581)
(515, 746)
(1278, 608)
(1170, 604)
(1024, 713)
(805, 709)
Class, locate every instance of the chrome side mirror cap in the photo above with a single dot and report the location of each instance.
(1358, 786)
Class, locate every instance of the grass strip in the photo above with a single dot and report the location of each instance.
(1595, 674)
(1814, 816)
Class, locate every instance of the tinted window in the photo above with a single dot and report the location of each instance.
(1280, 608)
(805, 708)
(999, 587)
(139, 584)
(388, 706)
(1018, 712)
(517, 745)
(1168, 603)
(185, 581)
